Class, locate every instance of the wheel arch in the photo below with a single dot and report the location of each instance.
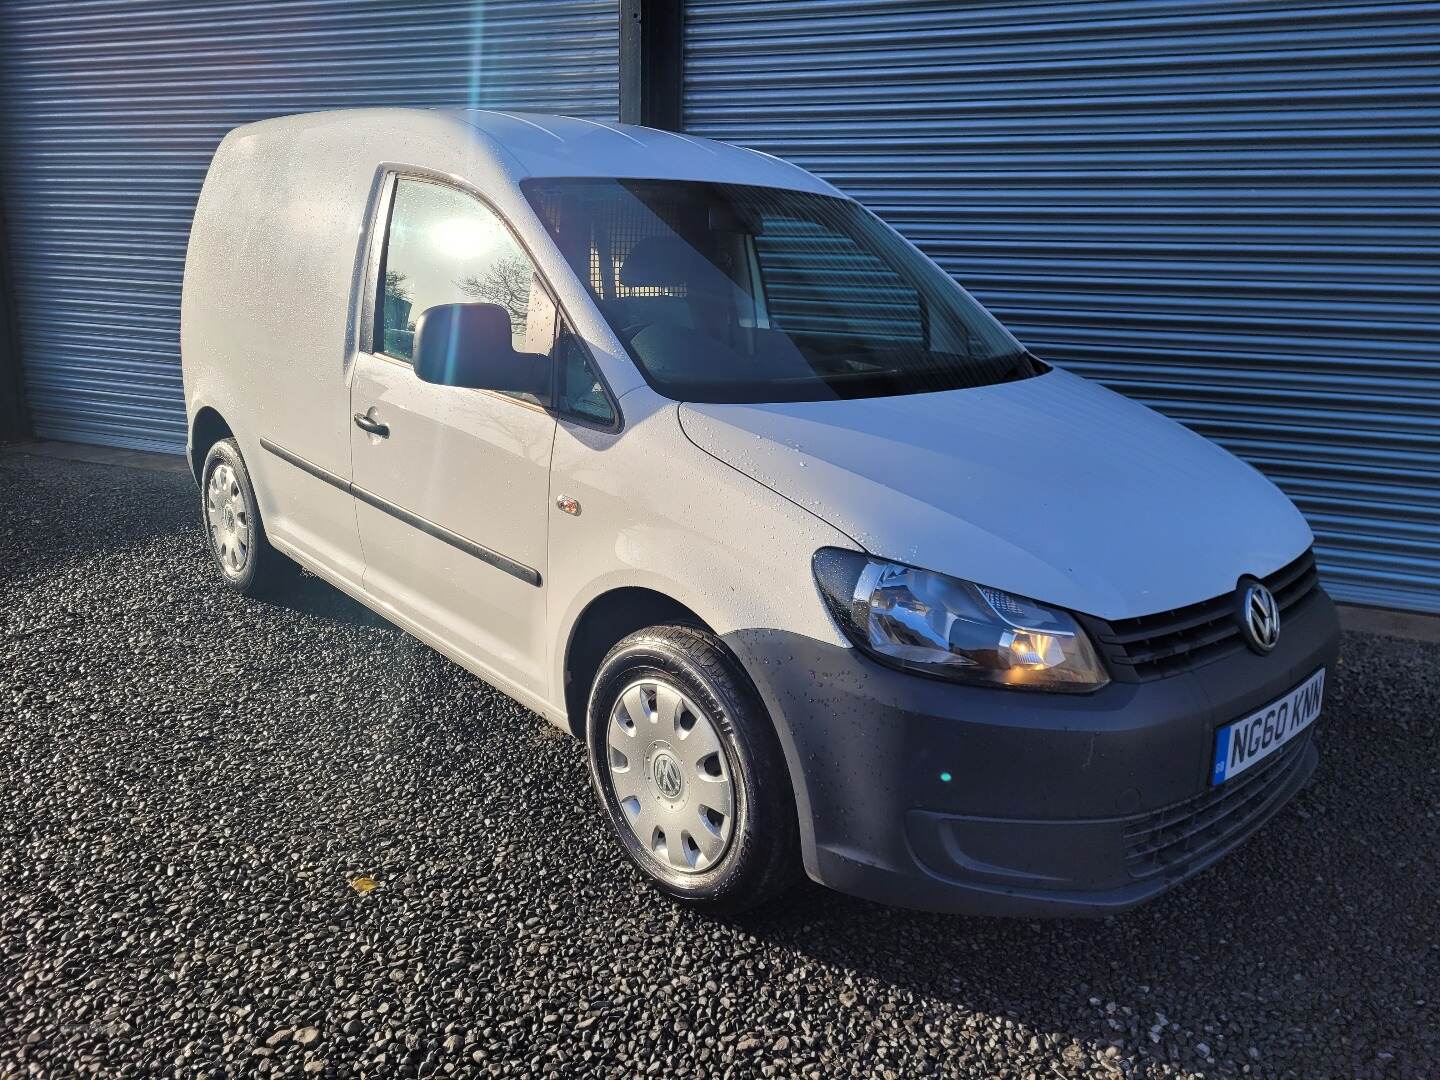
(606, 619)
(206, 429)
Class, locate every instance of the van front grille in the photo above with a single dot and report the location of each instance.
(1187, 831)
(1169, 642)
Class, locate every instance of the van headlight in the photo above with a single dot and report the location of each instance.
(940, 625)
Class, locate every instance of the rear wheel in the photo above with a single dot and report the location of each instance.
(690, 772)
(234, 532)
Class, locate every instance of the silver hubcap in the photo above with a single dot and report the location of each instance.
(229, 519)
(668, 769)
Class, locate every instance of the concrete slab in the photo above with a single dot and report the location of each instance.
(101, 455)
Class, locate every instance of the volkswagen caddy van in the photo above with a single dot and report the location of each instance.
(701, 461)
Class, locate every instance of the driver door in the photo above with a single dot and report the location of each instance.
(451, 484)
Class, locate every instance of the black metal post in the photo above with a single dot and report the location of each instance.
(652, 63)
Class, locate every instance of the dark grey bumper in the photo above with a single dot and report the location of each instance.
(1054, 804)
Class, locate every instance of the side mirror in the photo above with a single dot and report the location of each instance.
(469, 345)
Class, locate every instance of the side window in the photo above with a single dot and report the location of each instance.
(446, 247)
(580, 393)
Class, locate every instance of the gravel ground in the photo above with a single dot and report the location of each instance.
(191, 782)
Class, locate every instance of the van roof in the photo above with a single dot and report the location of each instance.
(524, 144)
(546, 145)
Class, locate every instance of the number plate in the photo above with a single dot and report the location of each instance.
(1253, 739)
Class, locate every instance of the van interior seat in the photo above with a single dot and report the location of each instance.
(636, 311)
(690, 287)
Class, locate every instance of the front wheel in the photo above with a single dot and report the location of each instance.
(690, 772)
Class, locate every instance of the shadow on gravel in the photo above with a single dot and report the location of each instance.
(316, 597)
(1017, 965)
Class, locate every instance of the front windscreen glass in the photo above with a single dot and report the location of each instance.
(728, 293)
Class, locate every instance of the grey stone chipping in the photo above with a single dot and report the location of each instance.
(193, 786)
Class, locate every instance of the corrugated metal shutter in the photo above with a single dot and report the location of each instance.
(115, 107)
(1230, 211)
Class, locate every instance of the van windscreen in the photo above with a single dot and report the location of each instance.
(729, 293)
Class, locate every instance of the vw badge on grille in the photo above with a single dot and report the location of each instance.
(1259, 616)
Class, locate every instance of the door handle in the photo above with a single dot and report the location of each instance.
(373, 426)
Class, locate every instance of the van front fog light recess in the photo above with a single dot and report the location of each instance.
(939, 625)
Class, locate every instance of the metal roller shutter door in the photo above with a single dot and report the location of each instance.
(1229, 211)
(115, 107)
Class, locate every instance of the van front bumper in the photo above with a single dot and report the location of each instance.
(946, 797)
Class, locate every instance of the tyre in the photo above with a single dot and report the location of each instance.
(690, 772)
(234, 533)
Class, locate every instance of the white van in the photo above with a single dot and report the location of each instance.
(700, 460)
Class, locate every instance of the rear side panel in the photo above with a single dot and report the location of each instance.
(270, 287)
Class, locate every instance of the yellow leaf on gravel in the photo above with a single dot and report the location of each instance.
(364, 885)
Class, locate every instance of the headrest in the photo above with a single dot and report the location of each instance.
(667, 262)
